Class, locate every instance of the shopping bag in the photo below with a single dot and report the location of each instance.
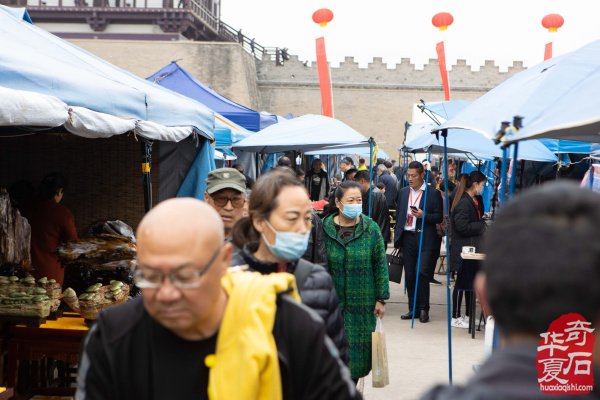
(379, 362)
(395, 265)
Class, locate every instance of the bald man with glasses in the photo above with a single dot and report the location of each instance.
(226, 193)
(201, 331)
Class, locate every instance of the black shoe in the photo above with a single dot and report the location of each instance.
(435, 282)
(424, 316)
(408, 315)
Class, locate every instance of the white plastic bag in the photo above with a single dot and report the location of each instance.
(379, 362)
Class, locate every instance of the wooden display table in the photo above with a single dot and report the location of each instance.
(5, 393)
(34, 353)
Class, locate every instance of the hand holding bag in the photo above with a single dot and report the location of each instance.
(379, 366)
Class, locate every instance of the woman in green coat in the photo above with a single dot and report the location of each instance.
(358, 266)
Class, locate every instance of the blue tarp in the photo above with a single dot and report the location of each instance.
(194, 183)
(558, 99)
(31, 59)
(305, 133)
(488, 192)
(179, 80)
(228, 132)
(462, 140)
(567, 146)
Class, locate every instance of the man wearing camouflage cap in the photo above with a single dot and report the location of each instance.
(226, 193)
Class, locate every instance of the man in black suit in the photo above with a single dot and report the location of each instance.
(409, 216)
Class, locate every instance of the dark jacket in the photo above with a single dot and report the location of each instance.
(433, 216)
(316, 252)
(380, 212)
(317, 184)
(509, 374)
(467, 229)
(118, 356)
(316, 291)
(391, 188)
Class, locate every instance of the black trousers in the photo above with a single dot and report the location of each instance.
(457, 297)
(410, 253)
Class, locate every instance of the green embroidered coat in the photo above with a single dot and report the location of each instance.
(360, 275)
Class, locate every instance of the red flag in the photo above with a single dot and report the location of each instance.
(548, 51)
(443, 72)
(324, 80)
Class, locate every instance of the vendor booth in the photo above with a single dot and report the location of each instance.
(65, 110)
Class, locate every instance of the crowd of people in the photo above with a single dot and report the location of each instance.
(262, 291)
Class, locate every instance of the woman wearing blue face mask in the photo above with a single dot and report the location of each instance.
(274, 237)
(357, 263)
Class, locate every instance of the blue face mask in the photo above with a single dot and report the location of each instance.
(289, 246)
(351, 211)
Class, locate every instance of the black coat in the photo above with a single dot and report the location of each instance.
(380, 212)
(120, 355)
(434, 214)
(316, 291)
(467, 228)
(316, 252)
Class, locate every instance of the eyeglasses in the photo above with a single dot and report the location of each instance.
(185, 277)
(236, 202)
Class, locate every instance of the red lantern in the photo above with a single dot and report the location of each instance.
(442, 20)
(322, 16)
(552, 22)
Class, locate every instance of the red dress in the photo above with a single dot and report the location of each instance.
(51, 225)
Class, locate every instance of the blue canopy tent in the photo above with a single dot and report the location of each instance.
(46, 82)
(466, 141)
(305, 133)
(179, 80)
(448, 109)
(557, 99)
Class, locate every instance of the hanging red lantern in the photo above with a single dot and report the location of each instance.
(442, 20)
(552, 22)
(322, 16)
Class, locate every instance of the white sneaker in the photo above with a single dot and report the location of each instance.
(460, 323)
(465, 319)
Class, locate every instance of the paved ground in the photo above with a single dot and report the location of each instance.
(418, 358)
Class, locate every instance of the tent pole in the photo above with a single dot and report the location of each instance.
(146, 178)
(447, 219)
(503, 176)
(404, 183)
(416, 295)
(371, 143)
(513, 178)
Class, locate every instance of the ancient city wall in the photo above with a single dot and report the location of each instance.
(376, 100)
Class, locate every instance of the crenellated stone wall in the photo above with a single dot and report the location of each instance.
(402, 75)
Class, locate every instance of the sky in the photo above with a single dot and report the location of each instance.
(502, 30)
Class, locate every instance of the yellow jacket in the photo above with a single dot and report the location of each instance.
(245, 365)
